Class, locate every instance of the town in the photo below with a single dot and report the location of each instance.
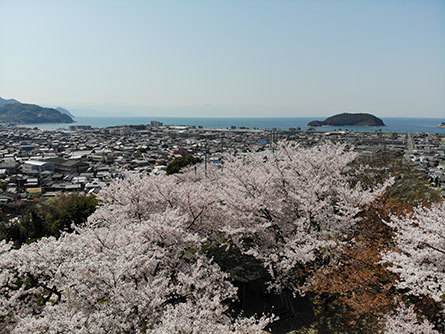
(39, 163)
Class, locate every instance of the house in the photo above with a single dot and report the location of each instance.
(155, 124)
(26, 147)
(9, 167)
(6, 198)
(37, 166)
(32, 182)
(69, 166)
(181, 151)
(33, 192)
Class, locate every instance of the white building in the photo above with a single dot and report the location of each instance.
(37, 166)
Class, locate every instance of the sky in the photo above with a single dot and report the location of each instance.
(227, 58)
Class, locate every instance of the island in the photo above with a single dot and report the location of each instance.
(441, 125)
(22, 113)
(343, 119)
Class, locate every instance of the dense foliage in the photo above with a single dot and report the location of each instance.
(49, 218)
(177, 164)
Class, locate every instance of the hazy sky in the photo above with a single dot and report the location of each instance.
(226, 58)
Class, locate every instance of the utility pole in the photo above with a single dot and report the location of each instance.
(272, 140)
(205, 159)
(222, 142)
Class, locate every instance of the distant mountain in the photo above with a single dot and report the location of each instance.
(349, 119)
(31, 113)
(64, 111)
(7, 101)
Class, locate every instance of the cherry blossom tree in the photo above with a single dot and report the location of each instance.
(118, 275)
(286, 208)
(405, 320)
(139, 197)
(138, 264)
(291, 207)
(419, 257)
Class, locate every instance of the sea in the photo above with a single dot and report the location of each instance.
(400, 125)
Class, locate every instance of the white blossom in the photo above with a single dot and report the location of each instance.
(405, 321)
(419, 259)
(116, 278)
(137, 265)
(290, 207)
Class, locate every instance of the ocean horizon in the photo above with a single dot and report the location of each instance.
(393, 124)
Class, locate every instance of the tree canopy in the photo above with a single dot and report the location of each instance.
(151, 258)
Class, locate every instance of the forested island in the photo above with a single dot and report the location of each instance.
(359, 119)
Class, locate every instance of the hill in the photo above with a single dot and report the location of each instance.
(7, 101)
(31, 113)
(349, 119)
(64, 111)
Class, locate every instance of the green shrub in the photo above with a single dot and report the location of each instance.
(176, 165)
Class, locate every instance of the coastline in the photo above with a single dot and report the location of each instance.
(392, 125)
